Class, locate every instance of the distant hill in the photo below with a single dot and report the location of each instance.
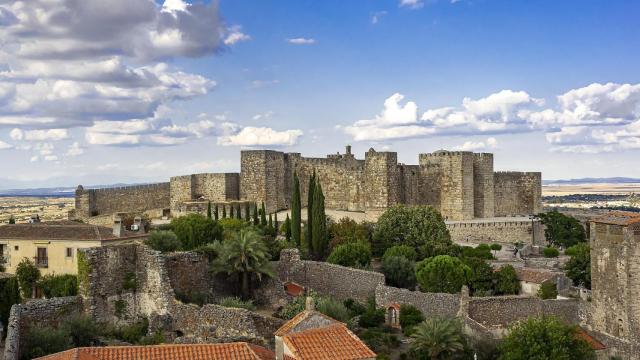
(611, 180)
(55, 191)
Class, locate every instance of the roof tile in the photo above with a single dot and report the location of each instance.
(333, 342)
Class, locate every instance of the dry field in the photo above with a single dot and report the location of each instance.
(608, 189)
(48, 208)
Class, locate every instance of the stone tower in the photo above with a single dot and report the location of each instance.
(382, 186)
(483, 186)
(262, 178)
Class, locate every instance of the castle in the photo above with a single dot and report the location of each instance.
(461, 185)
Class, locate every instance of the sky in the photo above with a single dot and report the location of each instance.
(125, 91)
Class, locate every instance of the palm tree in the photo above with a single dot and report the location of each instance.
(438, 338)
(244, 254)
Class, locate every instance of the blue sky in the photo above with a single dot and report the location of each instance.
(141, 91)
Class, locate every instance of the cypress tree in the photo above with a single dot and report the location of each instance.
(12, 220)
(247, 212)
(287, 228)
(209, 210)
(295, 226)
(275, 222)
(255, 214)
(310, 198)
(238, 212)
(263, 215)
(215, 214)
(270, 222)
(319, 234)
(224, 211)
(231, 211)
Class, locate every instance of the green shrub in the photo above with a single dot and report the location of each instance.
(41, 341)
(194, 230)
(235, 302)
(135, 332)
(209, 250)
(442, 273)
(496, 247)
(480, 252)
(296, 306)
(578, 268)
(347, 230)
(482, 279)
(59, 285)
(120, 308)
(356, 254)
(165, 227)
(9, 295)
(548, 290)
(409, 317)
(28, 276)
(82, 330)
(333, 309)
(401, 250)
(399, 272)
(231, 225)
(354, 307)
(164, 241)
(379, 340)
(372, 316)
(507, 281)
(550, 252)
(562, 230)
(154, 339)
(483, 247)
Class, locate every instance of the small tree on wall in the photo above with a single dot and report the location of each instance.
(296, 224)
(12, 220)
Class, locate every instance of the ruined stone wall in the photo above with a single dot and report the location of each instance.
(190, 274)
(524, 231)
(501, 311)
(37, 313)
(453, 173)
(615, 284)
(431, 304)
(137, 198)
(483, 185)
(517, 193)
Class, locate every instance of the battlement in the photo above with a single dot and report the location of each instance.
(444, 153)
(150, 187)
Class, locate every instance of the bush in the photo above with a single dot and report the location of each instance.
(333, 309)
(135, 332)
(496, 247)
(41, 341)
(480, 252)
(399, 272)
(379, 341)
(372, 315)
(82, 330)
(409, 317)
(296, 306)
(194, 230)
(235, 302)
(507, 281)
(208, 250)
(356, 254)
(28, 276)
(59, 285)
(544, 338)
(550, 252)
(165, 241)
(231, 225)
(482, 279)
(9, 295)
(354, 307)
(192, 297)
(442, 273)
(414, 226)
(347, 230)
(401, 250)
(548, 290)
(578, 268)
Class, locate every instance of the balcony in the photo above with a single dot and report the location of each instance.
(41, 262)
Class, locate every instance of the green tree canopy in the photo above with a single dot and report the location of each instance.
(399, 272)
(415, 226)
(578, 268)
(544, 338)
(401, 250)
(482, 279)
(28, 275)
(162, 240)
(296, 217)
(438, 339)
(562, 230)
(319, 239)
(194, 230)
(507, 281)
(347, 230)
(442, 273)
(356, 254)
(409, 317)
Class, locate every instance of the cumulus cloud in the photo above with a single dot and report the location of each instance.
(74, 150)
(375, 18)
(261, 136)
(301, 41)
(236, 35)
(39, 135)
(490, 143)
(5, 146)
(412, 4)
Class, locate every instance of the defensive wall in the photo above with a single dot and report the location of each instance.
(517, 193)
(501, 230)
(107, 201)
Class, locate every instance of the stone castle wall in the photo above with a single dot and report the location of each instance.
(517, 193)
(502, 231)
(215, 187)
(136, 198)
(483, 182)
(501, 311)
(431, 304)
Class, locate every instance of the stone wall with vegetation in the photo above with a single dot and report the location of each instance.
(431, 304)
(37, 313)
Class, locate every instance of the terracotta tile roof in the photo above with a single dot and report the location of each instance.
(289, 325)
(618, 218)
(333, 342)
(595, 344)
(230, 351)
(536, 276)
(61, 231)
(293, 289)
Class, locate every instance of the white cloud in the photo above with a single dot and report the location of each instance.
(412, 4)
(490, 143)
(375, 18)
(5, 146)
(95, 138)
(301, 41)
(236, 35)
(261, 136)
(75, 149)
(39, 135)
(257, 84)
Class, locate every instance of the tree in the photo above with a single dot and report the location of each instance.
(231, 216)
(578, 268)
(58, 285)
(275, 222)
(562, 230)
(310, 198)
(263, 215)
(319, 239)
(351, 254)
(507, 282)
(409, 317)
(544, 338)
(296, 216)
(9, 295)
(348, 230)
(247, 212)
(215, 214)
(401, 250)
(28, 275)
(255, 214)
(399, 272)
(438, 338)
(245, 255)
(421, 227)
(224, 211)
(209, 215)
(548, 290)
(482, 279)
(287, 229)
(442, 273)
(194, 230)
(12, 220)
(270, 223)
(164, 241)
(496, 247)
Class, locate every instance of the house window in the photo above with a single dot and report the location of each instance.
(42, 259)
(16, 248)
(69, 252)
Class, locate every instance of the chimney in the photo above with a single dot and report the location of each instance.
(309, 304)
(118, 226)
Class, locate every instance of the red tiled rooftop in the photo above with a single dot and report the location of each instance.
(230, 351)
(293, 289)
(536, 276)
(333, 342)
(618, 218)
(61, 230)
(595, 344)
(289, 325)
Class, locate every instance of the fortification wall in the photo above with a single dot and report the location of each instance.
(525, 231)
(452, 172)
(501, 311)
(37, 313)
(137, 198)
(190, 275)
(262, 178)
(215, 187)
(382, 181)
(517, 193)
(483, 185)
(412, 184)
(431, 304)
